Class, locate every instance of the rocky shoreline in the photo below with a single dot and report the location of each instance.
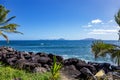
(42, 62)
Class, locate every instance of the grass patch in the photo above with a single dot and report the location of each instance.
(8, 73)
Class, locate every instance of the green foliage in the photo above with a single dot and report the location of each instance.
(115, 56)
(99, 48)
(8, 73)
(117, 18)
(55, 69)
(5, 26)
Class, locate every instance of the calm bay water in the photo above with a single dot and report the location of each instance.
(67, 48)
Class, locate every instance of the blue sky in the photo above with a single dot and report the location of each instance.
(69, 19)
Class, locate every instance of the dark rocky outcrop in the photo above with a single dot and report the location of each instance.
(71, 71)
(86, 74)
(42, 62)
(104, 66)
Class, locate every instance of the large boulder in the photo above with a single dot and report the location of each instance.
(71, 71)
(19, 63)
(35, 58)
(86, 74)
(19, 55)
(10, 55)
(80, 65)
(30, 66)
(46, 66)
(42, 54)
(11, 61)
(71, 61)
(44, 60)
(3, 50)
(58, 58)
(9, 49)
(105, 66)
(24, 64)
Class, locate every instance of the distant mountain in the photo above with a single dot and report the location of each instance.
(61, 39)
(90, 39)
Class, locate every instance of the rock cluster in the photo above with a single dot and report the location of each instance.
(42, 62)
(34, 62)
(82, 70)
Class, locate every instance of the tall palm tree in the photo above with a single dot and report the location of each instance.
(5, 26)
(117, 19)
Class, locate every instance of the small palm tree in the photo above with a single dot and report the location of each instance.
(55, 69)
(99, 48)
(5, 26)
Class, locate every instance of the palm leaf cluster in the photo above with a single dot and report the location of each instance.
(117, 18)
(99, 48)
(55, 69)
(5, 26)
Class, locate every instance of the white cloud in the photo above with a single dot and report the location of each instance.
(110, 21)
(87, 26)
(102, 31)
(96, 21)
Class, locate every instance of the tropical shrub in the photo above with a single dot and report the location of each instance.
(55, 69)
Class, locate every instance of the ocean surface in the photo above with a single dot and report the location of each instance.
(67, 48)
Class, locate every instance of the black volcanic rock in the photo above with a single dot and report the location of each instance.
(41, 54)
(71, 71)
(86, 74)
(71, 61)
(105, 66)
(42, 62)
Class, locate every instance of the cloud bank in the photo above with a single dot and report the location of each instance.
(102, 31)
(96, 21)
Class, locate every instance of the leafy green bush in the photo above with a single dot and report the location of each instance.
(55, 70)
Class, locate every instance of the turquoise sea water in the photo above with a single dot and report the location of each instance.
(67, 48)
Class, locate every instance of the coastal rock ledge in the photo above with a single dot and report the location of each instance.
(41, 62)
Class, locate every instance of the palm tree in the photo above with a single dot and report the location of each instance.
(99, 48)
(5, 26)
(117, 19)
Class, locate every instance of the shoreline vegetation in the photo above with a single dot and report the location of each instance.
(40, 63)
(9, 73)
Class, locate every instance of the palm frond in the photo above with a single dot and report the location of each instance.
(10, 19)
(5, 26)
(99, 48)
(11, 27)
(117, 18)
(5, 36)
